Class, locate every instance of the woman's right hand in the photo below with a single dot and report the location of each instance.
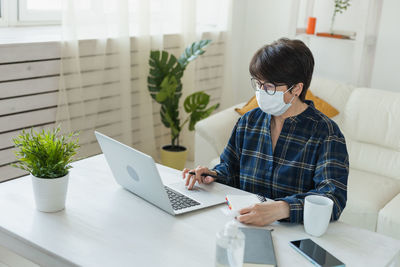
(192, 178)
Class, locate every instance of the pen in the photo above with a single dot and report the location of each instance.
(217, 177)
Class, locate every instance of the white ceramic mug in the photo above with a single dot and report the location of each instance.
(317, 214)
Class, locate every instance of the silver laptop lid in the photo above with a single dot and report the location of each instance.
(135, 171)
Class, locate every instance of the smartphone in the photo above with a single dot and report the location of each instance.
(314, 253)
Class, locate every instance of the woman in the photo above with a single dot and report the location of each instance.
(285, 149)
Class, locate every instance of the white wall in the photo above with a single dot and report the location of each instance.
(350, 20)
(258, 22)
(386, 69)
(255, 23)
(333, 58)
(336, 58)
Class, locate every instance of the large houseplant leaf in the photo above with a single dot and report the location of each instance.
(170, 118)
(192, 52)
(195, 104)
(168, 88)
(163, 64)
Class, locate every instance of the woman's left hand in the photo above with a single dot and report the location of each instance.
(265, 213)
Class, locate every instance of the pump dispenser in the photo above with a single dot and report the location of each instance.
(230, 246)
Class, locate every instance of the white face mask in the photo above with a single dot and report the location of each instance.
(273, 104)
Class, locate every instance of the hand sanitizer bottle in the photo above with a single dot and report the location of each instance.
(230, 246)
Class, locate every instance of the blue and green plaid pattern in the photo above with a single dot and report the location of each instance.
(310, 157)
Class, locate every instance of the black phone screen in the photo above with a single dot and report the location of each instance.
(315, 253)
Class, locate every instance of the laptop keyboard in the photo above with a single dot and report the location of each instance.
(179, 201)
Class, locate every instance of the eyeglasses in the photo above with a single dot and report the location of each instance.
(268, 87)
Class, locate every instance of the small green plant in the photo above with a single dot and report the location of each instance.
(165, 86)
(340, 7)
(45, 154)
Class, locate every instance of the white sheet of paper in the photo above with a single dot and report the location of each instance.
(238, 202)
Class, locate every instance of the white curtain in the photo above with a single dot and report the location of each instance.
(104, 65)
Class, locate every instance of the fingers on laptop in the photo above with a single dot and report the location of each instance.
(191, 179)
(188, 176)
(184, 172)
(197, 177)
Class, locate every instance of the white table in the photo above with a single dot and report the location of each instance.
(105, 225)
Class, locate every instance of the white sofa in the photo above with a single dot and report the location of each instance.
(370, 120)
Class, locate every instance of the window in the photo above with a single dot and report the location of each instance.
(30, 12)
(2, 20)
(211, 19)
(39, 10)
(163, 16)
(167, 15)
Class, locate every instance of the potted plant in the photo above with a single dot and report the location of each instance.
(340, 7)
(165, 87)
(47, 155)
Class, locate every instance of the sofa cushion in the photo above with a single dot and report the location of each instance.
(367, 193)
(250, 105)
(334, 92)
(389, 219)
(372, 158)
(322, 105)
(372, 116)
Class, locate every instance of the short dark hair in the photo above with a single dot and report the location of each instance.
(284, 61)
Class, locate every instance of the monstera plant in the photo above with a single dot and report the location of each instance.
(165, 87)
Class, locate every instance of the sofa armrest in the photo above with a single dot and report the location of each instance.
(205, 153)
(389, 218)
(212, 134)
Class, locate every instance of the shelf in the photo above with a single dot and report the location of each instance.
(313, 36)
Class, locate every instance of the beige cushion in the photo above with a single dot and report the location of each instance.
(372, 158)
(334, 92)
(250, 105)
(367, 193)
(372, 116)
(389, 219)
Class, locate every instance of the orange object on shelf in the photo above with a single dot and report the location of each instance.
(311, 25)
(327, 34)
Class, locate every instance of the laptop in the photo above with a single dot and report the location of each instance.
(139, 174)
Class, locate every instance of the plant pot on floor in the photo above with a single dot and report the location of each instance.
(50, 194)
(174, 156)
(165, 87)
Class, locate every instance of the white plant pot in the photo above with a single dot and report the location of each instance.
(50, 193)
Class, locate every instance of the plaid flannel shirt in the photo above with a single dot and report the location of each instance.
(310, 157)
